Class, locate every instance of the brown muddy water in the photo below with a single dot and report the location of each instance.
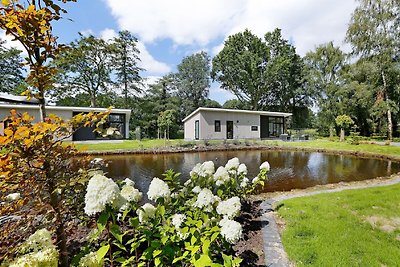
(289, 169)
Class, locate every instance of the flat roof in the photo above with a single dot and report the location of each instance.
(78, 109)
(266, 113)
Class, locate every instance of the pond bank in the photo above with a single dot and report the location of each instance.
(283, 146)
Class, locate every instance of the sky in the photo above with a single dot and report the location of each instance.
(170, 30)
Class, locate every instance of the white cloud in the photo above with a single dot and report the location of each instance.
(108, 34)
(308, 22)
(149, 63)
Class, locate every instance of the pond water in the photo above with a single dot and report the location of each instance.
(289, 170)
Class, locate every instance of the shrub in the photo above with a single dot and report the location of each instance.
(189, 224)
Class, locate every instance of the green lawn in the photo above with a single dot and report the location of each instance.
(344, 146)
(131, 145)
(314, 144)
(336, 229)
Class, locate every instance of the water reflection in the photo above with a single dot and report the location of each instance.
(289, 170)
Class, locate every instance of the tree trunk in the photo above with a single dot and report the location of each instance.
(42, 108)
(389, 112)
(92, 101)
(341, 134)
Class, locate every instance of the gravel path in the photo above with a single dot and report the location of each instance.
(275, 255)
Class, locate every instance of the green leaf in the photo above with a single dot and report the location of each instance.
(203, 261)
(157, 261)
(114, 229)
(102, 252)
(206, 246)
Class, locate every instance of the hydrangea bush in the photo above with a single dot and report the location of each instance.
(190, 224)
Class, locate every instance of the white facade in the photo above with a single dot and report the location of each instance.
(64, 112)
(215, 123)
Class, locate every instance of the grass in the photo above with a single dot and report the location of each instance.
(314, 144)
(130, 145)
(343, 146)
(333, 229)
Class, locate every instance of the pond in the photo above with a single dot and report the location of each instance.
(289, 169)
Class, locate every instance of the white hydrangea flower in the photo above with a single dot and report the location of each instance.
(174, 195)
(42, 251)
(208, 168)
(265, 165)
(13, 196)
(205, 199)
(130, 193)
(232, 164)
(187, 182)
(195, 170)
(242, 169)
(255, 180)
(158, 188)
(196, 189)
(182, 236)
(204, 169)
(230, 207)
(230, 230)
(147, 211)
(128, 181)
(244, 182)
(178, 219)
(90, 260)
(39, 240)
(100, 192)
(221, 176)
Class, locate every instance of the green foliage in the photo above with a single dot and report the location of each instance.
(193, 81)
(373, 34)
(241, 66)
(125, 59)
(185, 227)
(344, 121)
(85, 67)
(10, 69)
(235, 104)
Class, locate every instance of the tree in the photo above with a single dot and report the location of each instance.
(240, 67)
(31, 25)
(324, 69)
(10, 69)
(235, 104)
(284, 78)
(85, 67)
(374, 35)
(343, 122)
(165, 120)
(125, 60)
(193, 81)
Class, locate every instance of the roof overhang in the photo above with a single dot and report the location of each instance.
(265, 113)
(7, 98)
(64, 108)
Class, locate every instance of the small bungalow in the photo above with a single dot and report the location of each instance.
(118, 118)
(219, 123)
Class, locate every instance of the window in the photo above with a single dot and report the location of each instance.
(254, 128)
(196, 129)
(217, 126)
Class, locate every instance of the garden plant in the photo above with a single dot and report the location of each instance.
(184, 224)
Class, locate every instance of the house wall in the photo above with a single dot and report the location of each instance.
(242, 123)
(34, 111)
(189, 126)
